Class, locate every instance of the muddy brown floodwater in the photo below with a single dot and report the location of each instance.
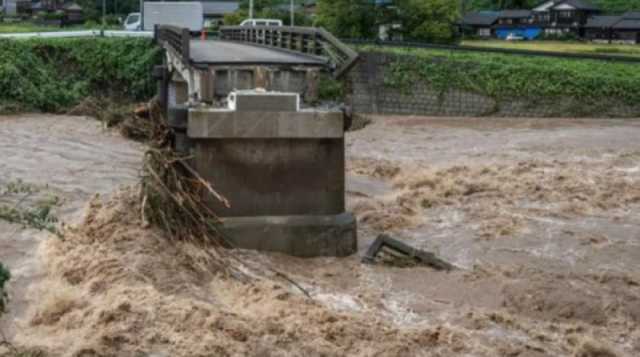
(72, 158)
(540, 217)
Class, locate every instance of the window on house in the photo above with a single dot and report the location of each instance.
(565, 14)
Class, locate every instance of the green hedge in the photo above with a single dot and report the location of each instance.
(54, 74)
(506, 77)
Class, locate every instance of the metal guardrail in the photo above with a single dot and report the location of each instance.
(76, 34)
(565, 55)
(175, 39)
(308, 41)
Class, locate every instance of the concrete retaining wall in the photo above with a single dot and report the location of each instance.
(370, 95)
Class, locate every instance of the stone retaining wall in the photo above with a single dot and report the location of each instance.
(368, 94)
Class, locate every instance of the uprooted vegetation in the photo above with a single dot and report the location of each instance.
(29, 205)
(117, 287)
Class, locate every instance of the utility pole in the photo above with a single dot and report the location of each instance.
(251, 9)
(293, 13)
(104, 12)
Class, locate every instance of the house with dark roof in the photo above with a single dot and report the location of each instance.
(551, 17)
(620, 29)
(479, 23)
(628, 28)
(564, 16)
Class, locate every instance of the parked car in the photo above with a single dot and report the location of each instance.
(514, 37)
(261, 22)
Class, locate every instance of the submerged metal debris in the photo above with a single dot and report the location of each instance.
(403, 252)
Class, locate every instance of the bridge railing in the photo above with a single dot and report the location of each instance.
(174, 38)
(309, 41)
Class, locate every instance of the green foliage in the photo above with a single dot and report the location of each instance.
(499, 4)
(39, 217)
(348, 18)
(92, 9)
(54, 74)
(4, 278)
(617, 6)
(38, 214)
(424, 20)
(269, 9)
(330, 89)
(505, 77)
(57, 15)
(234, 18)
(430, 21)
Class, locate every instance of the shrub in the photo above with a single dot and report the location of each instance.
(54, 74)
(113, 20)
(56, 15)
(330, 89)
(4, 278)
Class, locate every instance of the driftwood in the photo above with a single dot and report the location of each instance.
(174, 198)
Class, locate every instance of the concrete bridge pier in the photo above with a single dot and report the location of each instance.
(281, 168)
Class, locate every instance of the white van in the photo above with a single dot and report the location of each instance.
(181, 14)
(133, 22)
(261, 22)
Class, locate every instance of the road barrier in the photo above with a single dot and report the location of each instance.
(77, 34)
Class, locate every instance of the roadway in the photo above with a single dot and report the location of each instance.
(223, 52)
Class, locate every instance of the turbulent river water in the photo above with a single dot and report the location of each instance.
(540, 216)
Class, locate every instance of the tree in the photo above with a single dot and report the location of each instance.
(348, 18)
(617, 6)
(428, 20)
(499, 4)
(268, 9)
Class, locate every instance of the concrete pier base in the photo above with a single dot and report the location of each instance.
(301, 236)
(281, 169)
